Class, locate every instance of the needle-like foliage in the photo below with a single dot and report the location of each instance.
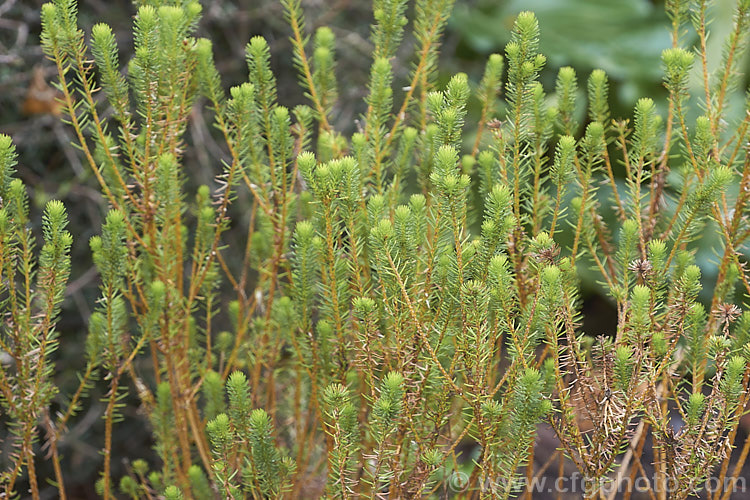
(405, 312)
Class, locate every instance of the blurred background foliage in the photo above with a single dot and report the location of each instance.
(623, 37)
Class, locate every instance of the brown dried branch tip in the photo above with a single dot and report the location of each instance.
(726, 313)
(642, 269)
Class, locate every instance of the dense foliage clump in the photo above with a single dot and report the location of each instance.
(401, 293)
